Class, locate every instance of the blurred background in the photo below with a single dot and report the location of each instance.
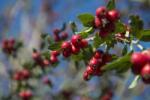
(27, 19)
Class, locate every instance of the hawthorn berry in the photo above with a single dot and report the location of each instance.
(138, 58)
(65, 53)
(64, 35)
(113, 15)
(98, 54)
(101, 12)
(98, 22)
(76, 40)
(25, 73)
(55, 53)
(90, 70)
(26, 94)
(75, 50)
(86, 76)
(66, 45)
(84, 43)
(94, 62)
(145, 72)
(56, 31)
(53, 59)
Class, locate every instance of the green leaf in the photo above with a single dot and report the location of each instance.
(136, 24)
(55, 46)
(97, 41)
(111, 5)
(144, 35)
(120, 27)
(86, 19)
(134, 82)
(85, 32)
(117, 64)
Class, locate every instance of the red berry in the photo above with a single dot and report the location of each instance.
(64, 35)
(98, 22)
(66, 45)
(90, 70)
(66, 53)
(53, 59)
(55, 53)
(56, 31)
(76, 40)
(36, 55)
(138, 58)
(95, 62)
(98, 72)
(113, 15)
(86, 76)
(98, 54)
(145, 72)
(101, 12)
(136, 69)
(75, 50)
(25, 73)
(56, 38)
(46, 62)
(12, 41)
(84, 43)
(25, 95)
(17, 77)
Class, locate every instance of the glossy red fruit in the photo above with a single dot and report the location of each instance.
(17, 77)
(95, 62)
(36, 55)
(56, 38)
(25, 73)
(145, 72)
(76, 40)
(136, 69)
(53, 59)
(84, 43)
(98, 54)
(64, 35)
(66, 45)
(113, 15)
(75, 50)
(98, 22)
(56, 31)
(138, 58)
(26, 94)
(55, 53)
(65, 53)
(101, 12)
(90, 70)
(86, 76)
(97, 72)
(46, 62)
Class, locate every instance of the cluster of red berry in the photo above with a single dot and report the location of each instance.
(105, 20)
(74, 46)
(94, 68)
(22, 75)
(58, 35)
(8, 46)
(107, 96)
(141, 65)
(26, 94)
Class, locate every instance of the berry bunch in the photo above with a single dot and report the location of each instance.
(94, 68)
(25, 95)
(58, 35)
(23, 74)
(105, 20)
(74, 46)
(8, 46)
(141, 65)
